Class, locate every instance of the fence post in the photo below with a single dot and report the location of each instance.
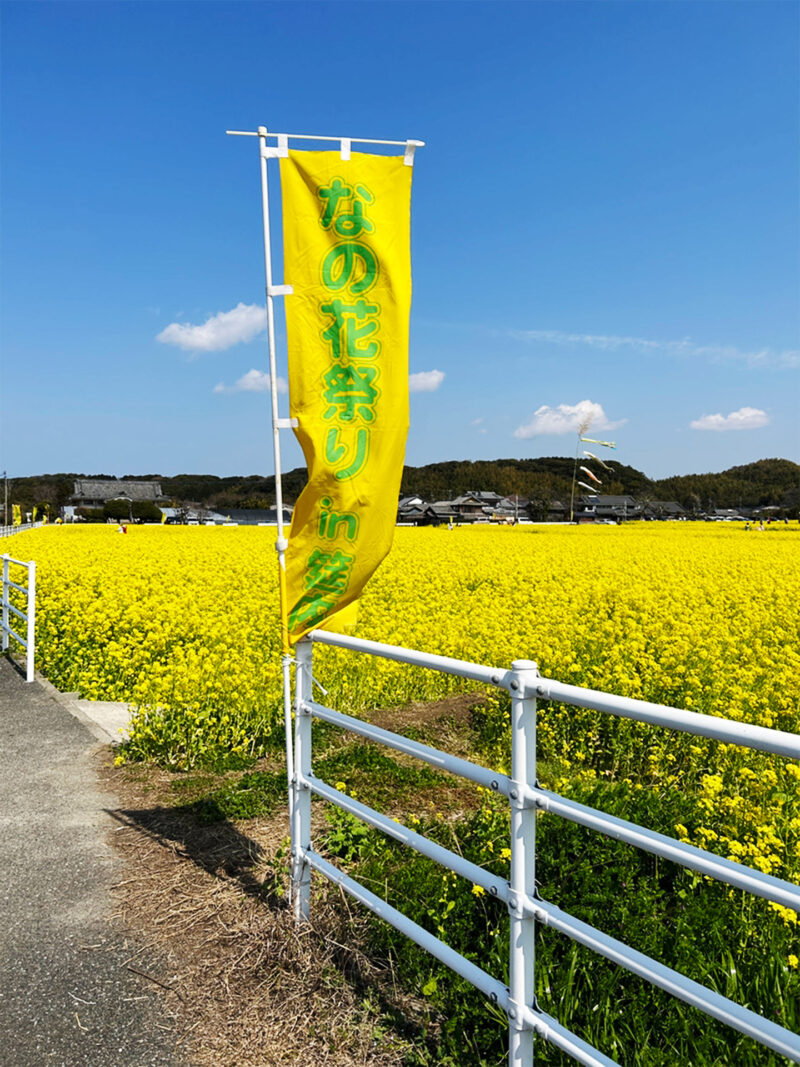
(523, 862)
(31, 635)
(301, 814)
(5, 602)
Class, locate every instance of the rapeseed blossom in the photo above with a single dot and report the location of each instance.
(183, 623)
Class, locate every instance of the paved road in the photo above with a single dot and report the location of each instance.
(66, 996)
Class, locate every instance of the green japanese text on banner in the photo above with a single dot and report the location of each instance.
(347, 257)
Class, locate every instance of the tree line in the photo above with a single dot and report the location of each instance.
(766, 482)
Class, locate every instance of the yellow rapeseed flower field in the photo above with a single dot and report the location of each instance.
(182, 621)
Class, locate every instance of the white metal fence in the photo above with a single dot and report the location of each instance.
(27, 615)
(525, 686)
(7, 531)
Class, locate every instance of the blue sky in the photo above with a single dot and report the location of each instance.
(605, 213)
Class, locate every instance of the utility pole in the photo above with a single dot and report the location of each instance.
(5, 498)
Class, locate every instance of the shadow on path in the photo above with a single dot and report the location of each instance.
(218, 849)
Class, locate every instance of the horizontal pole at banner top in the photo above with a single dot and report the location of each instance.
(544, 1025)
(463, 668)
(443, 761)
(731, 731)
(697, 859)
(727, 1011)
(317, 137)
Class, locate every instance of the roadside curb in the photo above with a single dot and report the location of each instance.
(106, 720)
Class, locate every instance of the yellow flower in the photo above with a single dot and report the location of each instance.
(688, 615)
(793, 961)
(478, 891)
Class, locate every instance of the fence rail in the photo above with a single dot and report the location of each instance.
(525, 687)
(28, 616)
(8, 530)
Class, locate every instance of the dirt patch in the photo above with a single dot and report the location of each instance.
(242, 984)
(456, 708)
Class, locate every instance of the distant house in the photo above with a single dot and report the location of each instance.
(409, 509)
(511, 508)
(592, 508)
(475, 507)
(97, 492)
(258, 516)
(413, 511)
(94, 493)
(194, 516)
(409, 501)
(444, 510)
(663, 509)
(729, 514)
(233, 517)
(557, 512)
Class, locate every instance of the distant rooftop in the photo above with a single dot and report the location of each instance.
(115, 489)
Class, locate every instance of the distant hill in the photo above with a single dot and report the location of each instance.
(765, 482)
(549, 477)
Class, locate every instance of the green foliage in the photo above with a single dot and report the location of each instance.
(253, 795)
(119, 510)
(91, 514)
(728, 941)
(546, 477)
(187, 736)
(146, 510)
(361, 765)
(764, 482)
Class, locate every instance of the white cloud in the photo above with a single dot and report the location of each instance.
(425, 381)
(220, 331)
(761, 357)
(255, 381)
(743, 419)
(566, 418)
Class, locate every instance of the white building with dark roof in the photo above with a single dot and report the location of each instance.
(94, 492)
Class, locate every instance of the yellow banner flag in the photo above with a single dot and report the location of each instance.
(346, 227)
(17, 514)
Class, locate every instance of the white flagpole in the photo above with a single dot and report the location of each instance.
(281, 543)
(278, 424)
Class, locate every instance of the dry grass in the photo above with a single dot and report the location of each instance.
(243, 985)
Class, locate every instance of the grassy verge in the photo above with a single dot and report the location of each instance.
(724, 939)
